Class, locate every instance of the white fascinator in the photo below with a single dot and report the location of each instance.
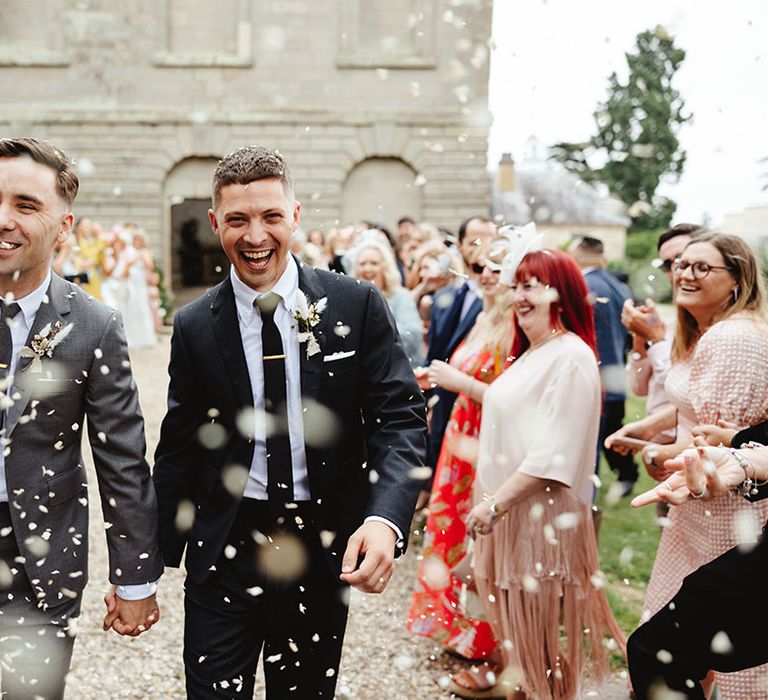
(521, 240)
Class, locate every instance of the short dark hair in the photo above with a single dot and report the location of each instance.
(468, 221)
(405, 220)
(678, 230)
(45, 153)
(590, 244)
(250, 163)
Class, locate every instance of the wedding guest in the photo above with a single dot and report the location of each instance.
(650, 358)
(718, 373)
(536, 553)
(452, 316)
(436, 610)
(372, 260)
(67, 262)
(91, 253)
(701, 629)
(608, 296)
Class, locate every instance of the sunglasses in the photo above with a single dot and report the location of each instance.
(666, 265)
(478, 268)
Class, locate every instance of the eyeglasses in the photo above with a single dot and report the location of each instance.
(699, 269)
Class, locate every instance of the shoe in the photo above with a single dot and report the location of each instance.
(477, 682)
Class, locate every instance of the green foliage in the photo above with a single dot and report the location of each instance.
(625, 527)
(641, 245)
(636, 144)
(166, 305)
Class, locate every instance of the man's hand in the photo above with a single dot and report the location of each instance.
(375, 541)
(130, 617)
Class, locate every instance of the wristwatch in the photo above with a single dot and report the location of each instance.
(496, 511)
(650, 343)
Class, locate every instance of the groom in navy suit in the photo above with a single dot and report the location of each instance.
(285, 460)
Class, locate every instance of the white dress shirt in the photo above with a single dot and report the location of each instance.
(473, 294)
(249, 320)
(20, 326)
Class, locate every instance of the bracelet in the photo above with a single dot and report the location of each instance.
(749, 486)
(496, 511)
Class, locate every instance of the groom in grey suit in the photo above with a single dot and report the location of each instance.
(63, 361)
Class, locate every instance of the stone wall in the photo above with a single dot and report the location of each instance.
(137, 90)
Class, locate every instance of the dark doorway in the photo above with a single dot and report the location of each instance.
(198, 260)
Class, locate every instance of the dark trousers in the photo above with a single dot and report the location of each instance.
(35, 644)
(611, 420)
(273, 590)
(674, 648)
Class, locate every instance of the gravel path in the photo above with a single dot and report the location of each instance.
(381, 659)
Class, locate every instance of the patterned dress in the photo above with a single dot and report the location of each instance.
(436, 611)
(726, 378)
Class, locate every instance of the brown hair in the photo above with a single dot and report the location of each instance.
(47, 154)
(250, 163)
(743, 266)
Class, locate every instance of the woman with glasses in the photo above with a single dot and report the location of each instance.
(718, 373)
(436, 609)
(536, 561)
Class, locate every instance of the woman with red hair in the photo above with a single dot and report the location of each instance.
(536, 563)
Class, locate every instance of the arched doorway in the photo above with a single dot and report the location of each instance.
(381, 190)
(194, 258)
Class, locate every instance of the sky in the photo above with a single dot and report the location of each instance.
(550, 68)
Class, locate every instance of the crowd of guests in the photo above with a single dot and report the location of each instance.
(525, 355)
(115, 266)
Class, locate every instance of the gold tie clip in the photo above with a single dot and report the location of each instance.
(273, 357)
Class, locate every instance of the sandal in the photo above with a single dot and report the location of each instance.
(477, 682)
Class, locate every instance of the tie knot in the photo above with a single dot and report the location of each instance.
(9, 310)
(267, 303)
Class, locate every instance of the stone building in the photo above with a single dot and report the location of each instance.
(380, 106)
(559, 202)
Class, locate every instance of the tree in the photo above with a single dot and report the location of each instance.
(636, 143)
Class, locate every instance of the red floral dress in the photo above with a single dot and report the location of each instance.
(436, 610)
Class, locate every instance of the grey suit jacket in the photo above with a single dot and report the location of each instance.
(88, 378)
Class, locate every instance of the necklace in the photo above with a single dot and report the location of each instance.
(536, 346)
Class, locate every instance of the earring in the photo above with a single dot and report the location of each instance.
(735, 294)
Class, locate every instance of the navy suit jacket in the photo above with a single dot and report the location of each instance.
(608, 297)
(381, 424)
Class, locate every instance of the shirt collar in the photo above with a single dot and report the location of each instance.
(30, 303)
(285, 287)
(586, 270)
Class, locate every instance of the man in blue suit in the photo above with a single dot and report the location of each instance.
(454, 312)
(608, 296)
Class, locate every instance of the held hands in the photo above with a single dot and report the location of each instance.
(705, 470)
(375, 542)
(130, 618)
(715, 435)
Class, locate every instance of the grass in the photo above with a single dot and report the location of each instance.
(627, 541)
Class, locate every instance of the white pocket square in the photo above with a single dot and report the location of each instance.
(338, 356)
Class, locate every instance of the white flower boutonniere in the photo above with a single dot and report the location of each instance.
(307, 316)
(43, 344)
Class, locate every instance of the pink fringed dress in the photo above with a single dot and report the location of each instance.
(538, 572)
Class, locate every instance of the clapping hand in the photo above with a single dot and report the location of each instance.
(130, 618)
(447, 377)
(643, 321)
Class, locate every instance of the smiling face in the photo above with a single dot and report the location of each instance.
(703, 298)
(254, 223)
(370, 267)
(34, 220)
(531, 302)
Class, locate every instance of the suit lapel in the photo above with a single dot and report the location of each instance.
(226, 330)
(55, 307)
(311, 367)
(466, 323)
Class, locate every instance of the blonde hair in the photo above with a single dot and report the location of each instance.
(496, 325)
(742, 263)
(375, 239)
